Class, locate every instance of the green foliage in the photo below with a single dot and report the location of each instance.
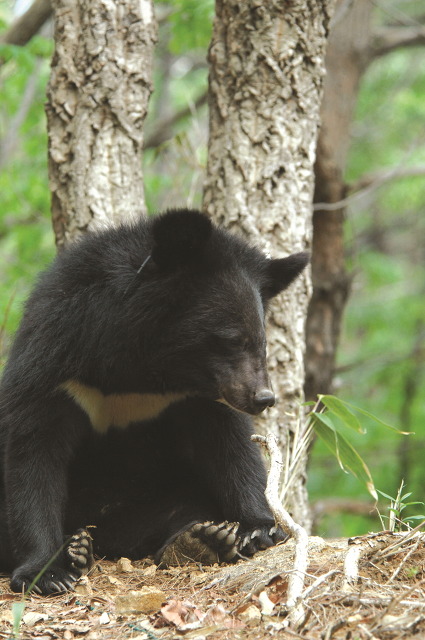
(396, 520)
(330, 425)
(190, 23)
(26, 240)
(381, 354)
(173, 172)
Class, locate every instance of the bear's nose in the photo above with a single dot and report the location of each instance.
(263, 399)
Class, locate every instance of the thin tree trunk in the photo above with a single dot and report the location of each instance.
(265, 86)
(346, 59)
(97, 102)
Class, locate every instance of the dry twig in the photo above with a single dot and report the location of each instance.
(282, 517)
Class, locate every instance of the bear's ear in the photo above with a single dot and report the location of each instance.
(179, 238)
(281, 272)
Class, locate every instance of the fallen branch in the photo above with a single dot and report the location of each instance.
(351, 567)
(297, 576)
(319, 581)
(401, 539)
(354, 600)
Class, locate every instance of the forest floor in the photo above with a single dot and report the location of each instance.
(382, 597)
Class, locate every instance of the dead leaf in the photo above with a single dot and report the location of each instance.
(104, 618)
(146, 600)
(266, 604)
(216, 613)
(124, 565)
(83, 587)
(181, 613)
(6, 616)
(251, 613)
(150, 571)
(32, 617)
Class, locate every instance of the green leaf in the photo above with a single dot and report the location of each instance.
(376, 419)
(409, 504)
(386, 495)
(339, 408)
(17, 613)
(326, 420)
(345, 453)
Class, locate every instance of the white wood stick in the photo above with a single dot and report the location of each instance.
(297, 575)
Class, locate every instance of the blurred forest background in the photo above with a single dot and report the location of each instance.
(381, 356)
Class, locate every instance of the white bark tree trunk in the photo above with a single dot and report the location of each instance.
(97, 101)
(265, 87)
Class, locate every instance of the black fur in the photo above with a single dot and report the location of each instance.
(172, 305)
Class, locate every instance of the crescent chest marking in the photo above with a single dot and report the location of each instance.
(118, 409)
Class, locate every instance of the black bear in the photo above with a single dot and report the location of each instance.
(126, 400)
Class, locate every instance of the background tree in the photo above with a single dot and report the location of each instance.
(371, 137)
(354, 44)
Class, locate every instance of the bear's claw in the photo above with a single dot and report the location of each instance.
(79, 551)
(205, 542)
(260, 538)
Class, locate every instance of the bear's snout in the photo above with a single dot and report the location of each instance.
(253, 402)
(263, 399)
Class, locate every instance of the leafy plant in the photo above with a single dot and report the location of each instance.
(396, 520)
(329, 420)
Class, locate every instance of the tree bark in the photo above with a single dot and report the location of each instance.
(97, 102)
(265, 86)
(346, 59)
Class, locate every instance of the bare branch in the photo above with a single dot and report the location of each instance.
(164, 128)
(388, 39)
(377, 178)
(368, 183)
(28, 24)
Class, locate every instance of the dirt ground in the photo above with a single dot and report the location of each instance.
(383, 597)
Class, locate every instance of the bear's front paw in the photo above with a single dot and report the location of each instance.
(53, 579)
(220, 538)
(79, 551)
(204, 542)
(255, 539)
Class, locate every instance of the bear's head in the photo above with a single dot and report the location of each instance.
(218, 288)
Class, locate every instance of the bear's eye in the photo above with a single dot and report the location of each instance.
(230, 343)
(239, 342)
